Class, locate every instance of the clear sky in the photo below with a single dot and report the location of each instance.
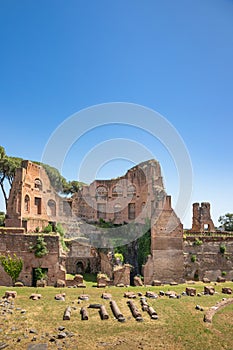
(175, 57)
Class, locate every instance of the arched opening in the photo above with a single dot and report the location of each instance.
(51, 208)
(27, 203)
(38, 184)
(131, 191)
(101, 192)
(79, 267)
(117, 191)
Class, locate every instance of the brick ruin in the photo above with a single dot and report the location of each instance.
(136, 196)
(201, 218)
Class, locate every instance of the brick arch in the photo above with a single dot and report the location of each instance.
(38, 184)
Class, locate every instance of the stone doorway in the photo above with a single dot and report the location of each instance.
(79, 267)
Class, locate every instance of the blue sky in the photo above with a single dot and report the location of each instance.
(175, 57)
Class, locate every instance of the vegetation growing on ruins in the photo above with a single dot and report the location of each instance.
(12, 265)
(193, 258)
(40, 248)
(222, 248)
(40, 274)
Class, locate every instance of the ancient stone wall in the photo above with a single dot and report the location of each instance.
(166, 262)
(33, 202)
(127, 198)
(81, 258)
(201, 218)
(203, 258)
(20, 244)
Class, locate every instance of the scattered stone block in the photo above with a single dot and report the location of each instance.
(10, 294)
(209, 290)
(226, 290)
(221, 279)
(152, 295)
(120, 285)
(106, 296)
(156, 283)
(173, 284)
(35, 296)
(41, 283)
(130, 295)
(78, 279)
(42, 346)
(169, 293)
(19, 284)
(81, 285)
(137, 281)
(83, 297)
(191, 291)
(205, 280)
(60, 296)
(60, 284)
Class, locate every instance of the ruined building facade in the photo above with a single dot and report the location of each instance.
(133, 198)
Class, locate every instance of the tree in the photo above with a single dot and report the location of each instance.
(12, 266)
(226, 221)
(8, 166)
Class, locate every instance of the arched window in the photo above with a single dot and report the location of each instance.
(101, 192)
(51, 208)
(27, 203)
(38, 184)
(117, 211)
(117, 191)
(131, 191)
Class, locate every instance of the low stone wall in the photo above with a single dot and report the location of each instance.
(20, 244)
(206, 260)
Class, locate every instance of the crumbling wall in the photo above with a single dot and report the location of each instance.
(81, 258)
(20, 245)
(203, 257)
(129, 197)
(201, 218)
(33, 202)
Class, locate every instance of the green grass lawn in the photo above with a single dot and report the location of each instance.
(180, 325)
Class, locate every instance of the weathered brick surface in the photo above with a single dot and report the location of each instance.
(21, 246)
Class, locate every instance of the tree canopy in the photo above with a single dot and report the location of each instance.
(226, 221)
(12, 265)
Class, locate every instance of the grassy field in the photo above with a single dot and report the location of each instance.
(180, 325)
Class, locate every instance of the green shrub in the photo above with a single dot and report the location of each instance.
(197, 242)
(119, 256)
(222, 248)
(224, 273)
(12, 266)
(40, 274)
(40, 248)
(193, 258)
(48, 228)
